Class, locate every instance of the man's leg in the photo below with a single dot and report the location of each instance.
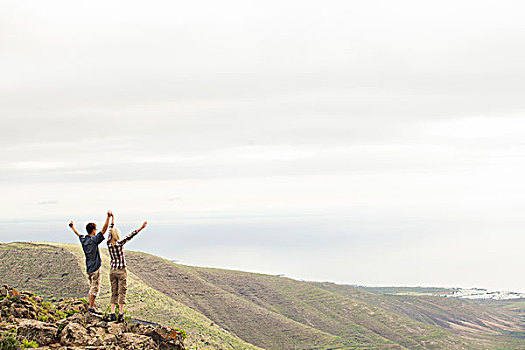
(94, 286)
(92, 301)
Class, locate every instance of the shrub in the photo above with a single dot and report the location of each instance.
(9, 342)
(26, 344)
(71, 312)
(182, 332)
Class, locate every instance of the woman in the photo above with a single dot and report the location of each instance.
(118, 274)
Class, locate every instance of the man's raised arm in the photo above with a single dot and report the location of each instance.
(73, 228)
(106, 224)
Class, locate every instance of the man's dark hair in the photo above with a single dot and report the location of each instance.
(90, 227)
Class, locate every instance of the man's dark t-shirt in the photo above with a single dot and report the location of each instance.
(90, 247)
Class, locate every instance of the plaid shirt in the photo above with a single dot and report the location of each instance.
(116, 251)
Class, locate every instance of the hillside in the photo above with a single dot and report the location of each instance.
(218, 307)
(346, 316)
(482, 320)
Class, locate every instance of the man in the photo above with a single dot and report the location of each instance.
(90, 244)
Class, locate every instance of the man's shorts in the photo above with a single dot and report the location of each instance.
(94, 282)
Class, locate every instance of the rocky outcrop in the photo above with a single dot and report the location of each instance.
(43, 333)
(67, 325)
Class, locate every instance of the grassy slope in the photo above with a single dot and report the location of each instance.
(143, 301)
(488, 323)
(261, 325)
(43, 269)
(218, 294)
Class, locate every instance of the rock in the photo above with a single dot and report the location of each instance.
(62, 323)
(109, 338)
(166, 337)
(21, 312)
(103, 324)
(74, 334)
(97, 331)
(40, 332)
(91, 318)
(116, 328)
(137, 341)
(77, 318)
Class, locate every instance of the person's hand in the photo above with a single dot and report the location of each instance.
(71, 224)
(144, 225)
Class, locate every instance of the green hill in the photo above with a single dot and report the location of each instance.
(232, 309)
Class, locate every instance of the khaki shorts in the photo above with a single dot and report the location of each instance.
(119, 285)
(94, 282)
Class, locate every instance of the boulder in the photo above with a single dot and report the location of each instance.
(109, 338)
(74, 334)
(21, 312)
(97, 331)
(77, 318)
(116, 328)
(41, 332)
(137, 341)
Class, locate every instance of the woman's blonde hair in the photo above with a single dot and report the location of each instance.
(114, 235)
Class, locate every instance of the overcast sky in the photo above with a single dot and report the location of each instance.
(368, 142)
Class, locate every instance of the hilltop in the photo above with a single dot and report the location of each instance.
(239, 310)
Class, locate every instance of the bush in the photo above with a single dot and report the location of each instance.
(9, 342)
(182, 333)
(71, 312)
(26, 344)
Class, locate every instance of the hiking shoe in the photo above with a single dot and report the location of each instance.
(113, 317)
(95, 311)
(120, 318)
